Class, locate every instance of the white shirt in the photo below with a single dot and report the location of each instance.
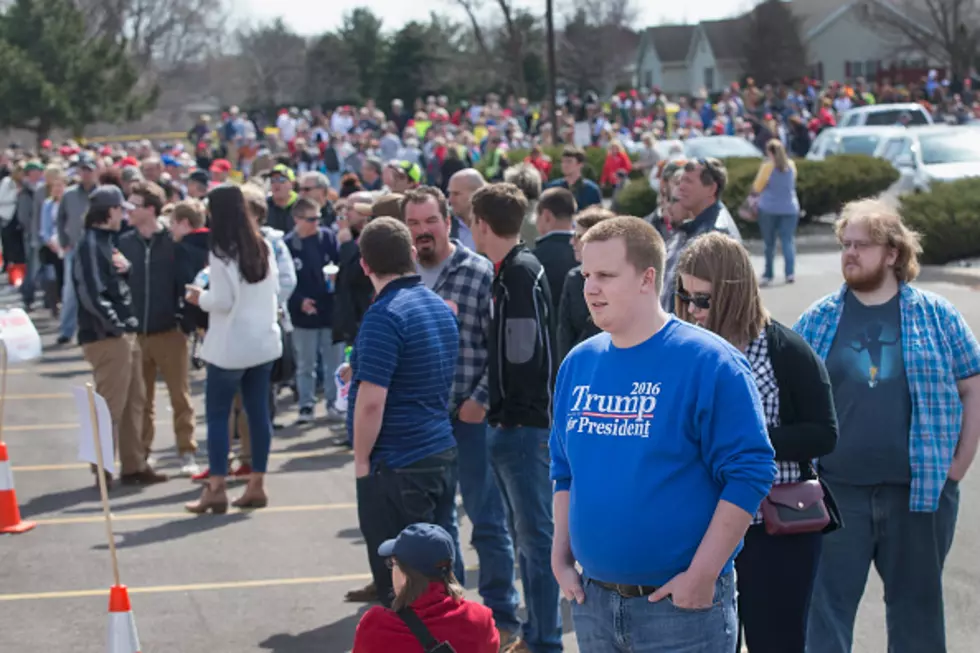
(287, 127)
(243, 329)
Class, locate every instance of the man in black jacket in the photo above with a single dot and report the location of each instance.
(107, 330)
(522, 369)
(554, 245)
(157, 297)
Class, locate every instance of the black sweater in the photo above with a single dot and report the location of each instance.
(808, 422)
(575, 323)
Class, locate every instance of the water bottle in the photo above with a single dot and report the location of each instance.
(202, 278)
(343, 389)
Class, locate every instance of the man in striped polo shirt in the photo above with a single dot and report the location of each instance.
(403, 364)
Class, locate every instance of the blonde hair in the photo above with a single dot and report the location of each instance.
(191, 210)
(778, 152)
(255, 202)
(737, 313)
(53, 172)
(886, 228)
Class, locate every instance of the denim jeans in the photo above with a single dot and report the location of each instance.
(610, 623)
(775, 576)
(485, 508)
(69, 302)
(220, 389)
(907, 548)
(315, 346)
(388, 500)
(521, 462)
(783, 226)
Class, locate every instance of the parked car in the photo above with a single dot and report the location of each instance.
(939, 153)
(720, 147)
(888, 115)
(854, 140)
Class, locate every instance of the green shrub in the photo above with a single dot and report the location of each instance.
(595, 158)
(948, 217)
(636, 198)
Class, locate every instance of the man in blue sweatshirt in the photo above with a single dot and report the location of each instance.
(311, 306)
(660, 458)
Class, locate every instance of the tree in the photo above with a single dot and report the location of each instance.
(332, 76)
(408, 69)
(56, 75)
(362, 37)
(276, 63)
(597, 45)
(947, 31)
(772, 47)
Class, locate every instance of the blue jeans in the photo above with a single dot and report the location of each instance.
(521, 462)
(334, 179)
(610, 623)
(907, 548)
(313, 346)
(220, 389)
(485, 508)
(784, 226)
(69, 302)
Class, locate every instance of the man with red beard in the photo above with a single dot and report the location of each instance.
(905, 370)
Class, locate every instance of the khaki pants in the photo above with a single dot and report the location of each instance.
(117, 366)
(167, 353)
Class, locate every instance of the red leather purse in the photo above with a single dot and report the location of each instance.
(795, 508)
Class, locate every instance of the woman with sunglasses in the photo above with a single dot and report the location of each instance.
(718, 290)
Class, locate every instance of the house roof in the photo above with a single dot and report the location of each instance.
(813, 12)
(671, 41)
(725, 36)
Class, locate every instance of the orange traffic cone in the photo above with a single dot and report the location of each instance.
(15, 274)
(123, 637)
(10, 521)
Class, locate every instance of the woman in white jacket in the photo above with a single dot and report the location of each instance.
(241, 343)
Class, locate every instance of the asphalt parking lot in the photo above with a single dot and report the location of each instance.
(274, 579)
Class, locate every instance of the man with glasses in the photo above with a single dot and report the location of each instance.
(315, 186)
(699, 193)
(282, 198)
(311, 307)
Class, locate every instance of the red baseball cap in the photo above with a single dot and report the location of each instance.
(128, 161)
(46, 143)
(220, 165)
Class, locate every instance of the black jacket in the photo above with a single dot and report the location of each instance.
(153, 280)
(521, 348)
(352, 295)
(281, 217)
(557, 256)
(808, 421)
(192, 257)
(575, 323)
(104, 304)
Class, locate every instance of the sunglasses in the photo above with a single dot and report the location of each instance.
(314, 218)
(699, 299)
(307, 189)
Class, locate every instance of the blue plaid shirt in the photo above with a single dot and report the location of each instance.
(466, 281)
(938, 349)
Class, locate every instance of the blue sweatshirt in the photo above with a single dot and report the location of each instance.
(310, 254)
(648, 440)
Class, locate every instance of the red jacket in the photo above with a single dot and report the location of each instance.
(542, 164)
(468, 626)
(614, 163)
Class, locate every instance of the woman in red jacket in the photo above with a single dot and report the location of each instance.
(429, 606)
(616, 160)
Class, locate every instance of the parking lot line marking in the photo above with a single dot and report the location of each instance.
(198, 587)
(282, 455)
(144, 516)
(56, 395)
(56, 427)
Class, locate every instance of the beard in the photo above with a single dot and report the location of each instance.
(427, 255)
(866, 280)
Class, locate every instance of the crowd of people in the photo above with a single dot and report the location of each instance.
(625, 422)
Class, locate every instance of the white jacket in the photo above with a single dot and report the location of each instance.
(242, 328)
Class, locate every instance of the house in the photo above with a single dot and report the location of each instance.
(841, 40)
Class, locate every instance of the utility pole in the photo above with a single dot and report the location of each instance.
(552, 74)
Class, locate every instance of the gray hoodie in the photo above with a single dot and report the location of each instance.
(287, 269)
(71, 215)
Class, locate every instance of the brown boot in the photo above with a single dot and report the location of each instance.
(367, 594)
(145, 477)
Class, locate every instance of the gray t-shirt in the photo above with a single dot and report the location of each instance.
(871, 394)
(431, 275)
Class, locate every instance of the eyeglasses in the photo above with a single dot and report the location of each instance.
(859, 245)
(390, 563)
(314, 218)
(700, 300)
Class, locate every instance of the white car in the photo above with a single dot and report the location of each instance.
(884, 115)
(939, 153)
(856, 140)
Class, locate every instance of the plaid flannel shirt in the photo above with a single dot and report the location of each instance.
(938, 349)
(466, 282)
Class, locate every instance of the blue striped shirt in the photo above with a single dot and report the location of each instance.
(408, 343)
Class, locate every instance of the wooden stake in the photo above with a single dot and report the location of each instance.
(101, 477)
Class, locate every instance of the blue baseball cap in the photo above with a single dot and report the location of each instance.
(426, 548)
(169, 161)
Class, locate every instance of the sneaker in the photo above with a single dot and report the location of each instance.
(243, 471)
(507, 639)
(63, 340)
(790, 279)
(145, 477)
(518, 646)
(366, 594)
(203, 475)
(765, 282)
(305, 416)
(189, 466)
(334, 416)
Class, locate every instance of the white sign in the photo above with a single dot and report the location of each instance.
(583, 134)
(19, 335)
(86, 437)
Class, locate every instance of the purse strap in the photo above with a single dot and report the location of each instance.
(429, 643)
(807, 473)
